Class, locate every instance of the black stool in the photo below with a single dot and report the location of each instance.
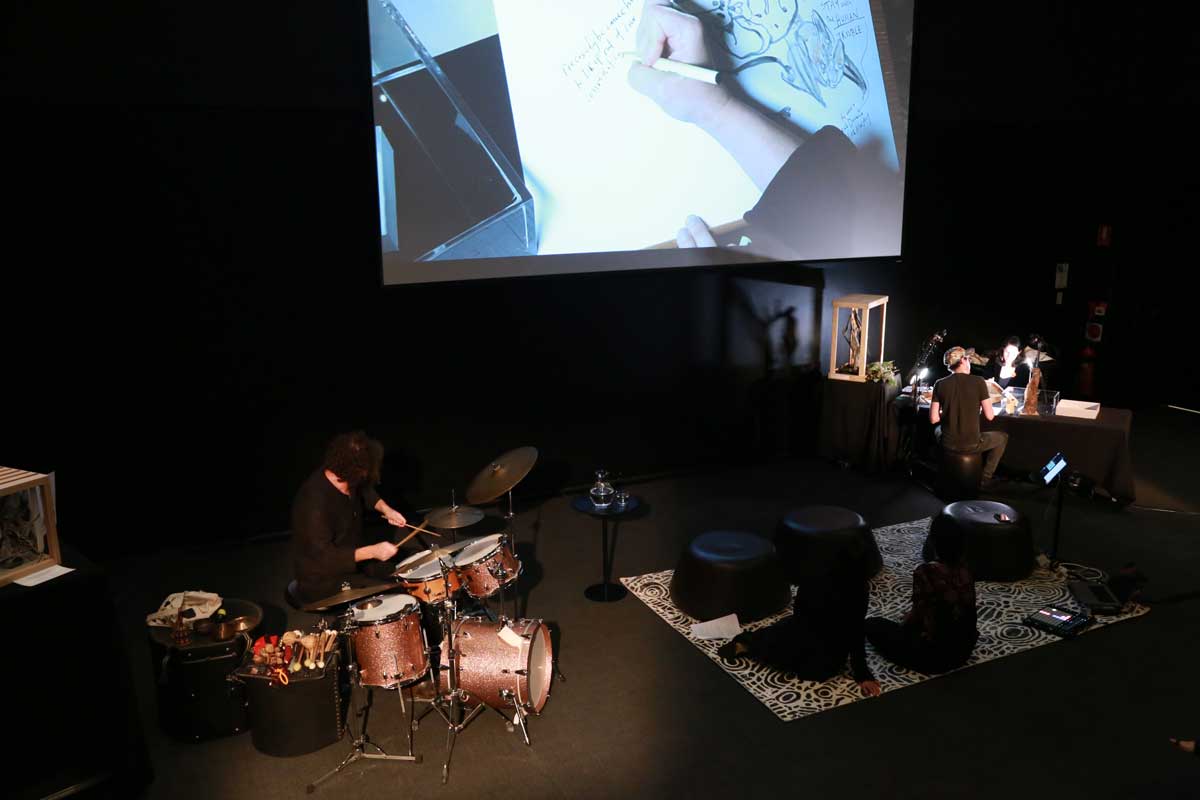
(959, 475)
(729, 572)
(810, 539)
(998, 539)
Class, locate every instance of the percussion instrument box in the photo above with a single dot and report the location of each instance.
(303, 716)
(196, 699)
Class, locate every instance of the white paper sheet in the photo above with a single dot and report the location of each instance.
(725, 627)
(44, 575)
(608, 169)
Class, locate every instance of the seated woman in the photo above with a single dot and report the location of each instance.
(939, 633)
(1006, 368)
(826, 626)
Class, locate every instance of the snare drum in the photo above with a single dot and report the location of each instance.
(421, 576)
(389, 644)
(487, 565)
(503, 664)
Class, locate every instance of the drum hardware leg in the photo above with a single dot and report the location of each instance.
(519, 714)
(359, 745)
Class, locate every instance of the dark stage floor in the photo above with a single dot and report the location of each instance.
(644, 714)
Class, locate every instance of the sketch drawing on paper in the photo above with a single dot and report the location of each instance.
(747, 29)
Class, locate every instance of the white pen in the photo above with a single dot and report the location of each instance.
(692, 71)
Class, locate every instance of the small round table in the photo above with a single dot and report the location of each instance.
(606, 591)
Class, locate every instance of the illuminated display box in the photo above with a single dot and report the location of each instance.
(28, 535)
(857, 334)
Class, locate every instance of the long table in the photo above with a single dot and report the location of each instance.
(1098, 448)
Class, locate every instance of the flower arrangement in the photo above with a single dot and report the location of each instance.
(884, 371)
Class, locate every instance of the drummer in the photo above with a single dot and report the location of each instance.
(328, 544)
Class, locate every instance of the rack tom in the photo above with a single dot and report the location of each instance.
(487, 565)
(421, 576)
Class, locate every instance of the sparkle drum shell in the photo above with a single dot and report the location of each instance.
(389, 644)
(421, 576)
(499, 669)
(487, 565)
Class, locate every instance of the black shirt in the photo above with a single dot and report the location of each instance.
(959, 396)
(327, 527)
(1021, 378)
(826, 626)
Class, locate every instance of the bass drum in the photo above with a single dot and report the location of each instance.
(503, 664)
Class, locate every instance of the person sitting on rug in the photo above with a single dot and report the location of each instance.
(938, 633)
(826, 625)
(958, 400)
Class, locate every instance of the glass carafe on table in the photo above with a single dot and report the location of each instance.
(601, 491)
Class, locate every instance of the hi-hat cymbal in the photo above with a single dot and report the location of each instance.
(453, 517)
(349, 595)
(505, 472)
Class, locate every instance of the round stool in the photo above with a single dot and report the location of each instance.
(959, 475)
(996, 549)
(810, 539)
(729, 572)
(291, 595)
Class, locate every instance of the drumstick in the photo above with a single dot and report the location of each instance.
(418, 529)
(414, 533)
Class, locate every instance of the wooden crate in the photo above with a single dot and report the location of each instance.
(862, 303)
(17, 513)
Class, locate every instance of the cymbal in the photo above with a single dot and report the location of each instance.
(453, 517)
(505, 472)
(350, 595)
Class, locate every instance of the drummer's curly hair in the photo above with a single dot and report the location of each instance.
(349, 457)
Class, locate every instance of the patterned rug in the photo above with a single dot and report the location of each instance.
(1000, 608)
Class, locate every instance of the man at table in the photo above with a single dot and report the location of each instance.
(958, 400)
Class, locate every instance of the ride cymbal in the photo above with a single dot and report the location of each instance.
(505, 472)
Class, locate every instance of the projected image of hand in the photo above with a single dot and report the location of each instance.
(695, 233)
(664, 32)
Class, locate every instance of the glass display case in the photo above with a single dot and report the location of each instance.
(446, 190)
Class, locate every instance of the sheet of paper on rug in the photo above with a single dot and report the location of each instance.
(725, 627)
(41, 576)
(608, 169)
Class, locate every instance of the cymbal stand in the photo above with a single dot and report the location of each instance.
(361, 740)
(512, 539)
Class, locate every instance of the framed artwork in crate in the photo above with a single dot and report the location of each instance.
(28, 532)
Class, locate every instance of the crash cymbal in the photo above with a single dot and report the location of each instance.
(453, 517)
(505, 472)
(349, 595)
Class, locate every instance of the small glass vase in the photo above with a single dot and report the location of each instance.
(601, 491)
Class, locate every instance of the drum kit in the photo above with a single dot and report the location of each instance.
(482, 662)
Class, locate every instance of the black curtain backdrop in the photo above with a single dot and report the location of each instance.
(192, 296)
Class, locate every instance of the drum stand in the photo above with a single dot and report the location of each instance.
(448, 705)
(361, 741)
